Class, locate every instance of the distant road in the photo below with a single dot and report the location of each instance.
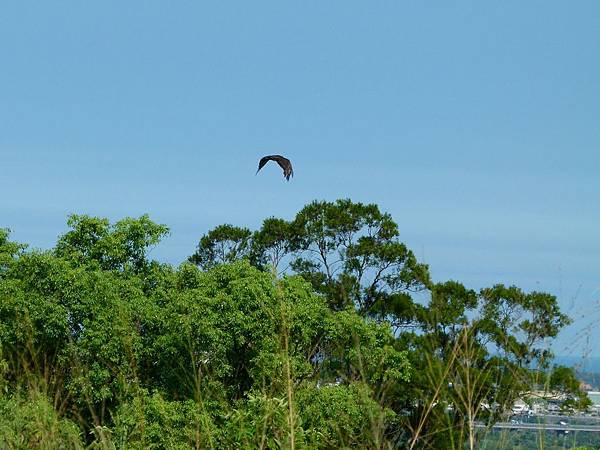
(556, 416)
(542, 427)
(590, 418)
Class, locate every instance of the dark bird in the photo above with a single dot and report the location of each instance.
(284, 163)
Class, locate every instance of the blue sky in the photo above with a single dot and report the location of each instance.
(475, 124)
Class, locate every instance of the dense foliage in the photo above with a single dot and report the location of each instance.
(320, 332)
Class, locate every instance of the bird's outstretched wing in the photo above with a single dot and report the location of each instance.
(283, 162)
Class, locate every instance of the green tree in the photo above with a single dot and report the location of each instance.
(8, 250)
(122, 246)
(469, 348)
(350, 345)
(272, 243)
(479, 352)
(348, 251)
(351, 252)
(226, 243)
(134, 353)
(562, 380)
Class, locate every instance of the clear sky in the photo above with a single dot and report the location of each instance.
(475, 124)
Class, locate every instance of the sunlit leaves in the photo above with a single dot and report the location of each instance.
(122, 246)
(226, 243)
(330, 308)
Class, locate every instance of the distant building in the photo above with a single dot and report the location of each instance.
(520, 407)
(594, 396)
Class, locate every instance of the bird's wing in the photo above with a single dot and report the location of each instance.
(286, 165)
(283, 162)
(263, 161)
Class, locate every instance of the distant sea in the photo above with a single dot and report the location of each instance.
(581, 364)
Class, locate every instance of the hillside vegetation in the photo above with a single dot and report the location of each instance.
(320, 332)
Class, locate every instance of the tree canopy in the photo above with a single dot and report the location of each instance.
(323, 331)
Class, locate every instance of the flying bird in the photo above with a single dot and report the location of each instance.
(284, 163)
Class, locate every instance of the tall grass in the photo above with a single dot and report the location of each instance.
(33, 411)
(282, 410)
